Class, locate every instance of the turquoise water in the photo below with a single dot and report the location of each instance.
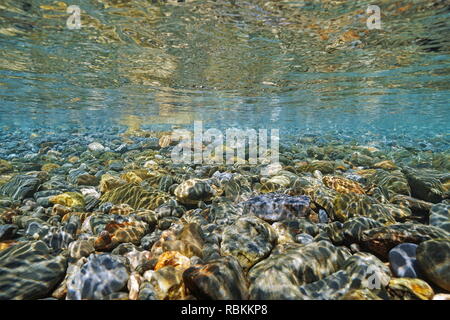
(300, 66)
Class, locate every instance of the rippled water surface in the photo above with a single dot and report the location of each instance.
(312, 66)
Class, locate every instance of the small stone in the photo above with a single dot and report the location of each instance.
(150, 164)
(20, 187)
(342, 185)
(386, 165)
(109, 182)
(48, 167)
(73, 159)
(116, 166)
(69, 199)
(174, 259)
(81, 248)
(167, 282)
(282, 181)
(410, 289)
(60, 210)
(440, 216)
(5, 166)
(304, 238)
(147, 291)
(271, 169)
(100, 276)
(323, 216)
(7, 231)
(277, 206)
(165, 141)
(96, 147)
(134, 283)
(360, 294)
(86, 180)
(194, 190)
(403, 262)
(249, 239)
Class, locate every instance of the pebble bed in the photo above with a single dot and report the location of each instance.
(108, 215)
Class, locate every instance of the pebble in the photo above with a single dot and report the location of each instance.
(433, 257)
(101, 276)
(403, 262)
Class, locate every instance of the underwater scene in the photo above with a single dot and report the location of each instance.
(225, 150)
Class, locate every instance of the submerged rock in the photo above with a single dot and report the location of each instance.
(403, 262)
(425, 184)
(194, 190)
(394, 182)
(167, 283)
(277, 206)
(5, 166)
(221, 279)
(69, 199)
(101, 276)
(7, 231)
(249, 239)
(81, 248)
(96, 147)
(433, 257)
(410, 289)
(29, 271)
(342, 185)
(135, 196)
(440, 216)
(20, 187)
(381, 240)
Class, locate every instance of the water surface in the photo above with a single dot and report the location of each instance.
(300, 66)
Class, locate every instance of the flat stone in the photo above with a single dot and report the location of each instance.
(20, 187)
(277, 206)
(381, 240)
(291, 266)
(29, 271)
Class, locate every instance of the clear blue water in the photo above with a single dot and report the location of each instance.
(300, 66)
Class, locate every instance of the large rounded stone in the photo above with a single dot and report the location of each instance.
(249, 239)
(101, 276)
(440, 216)
(221, 279)
(29, 271)
(381, 240)
(194, 190)
(433, 257)
(292, 265)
